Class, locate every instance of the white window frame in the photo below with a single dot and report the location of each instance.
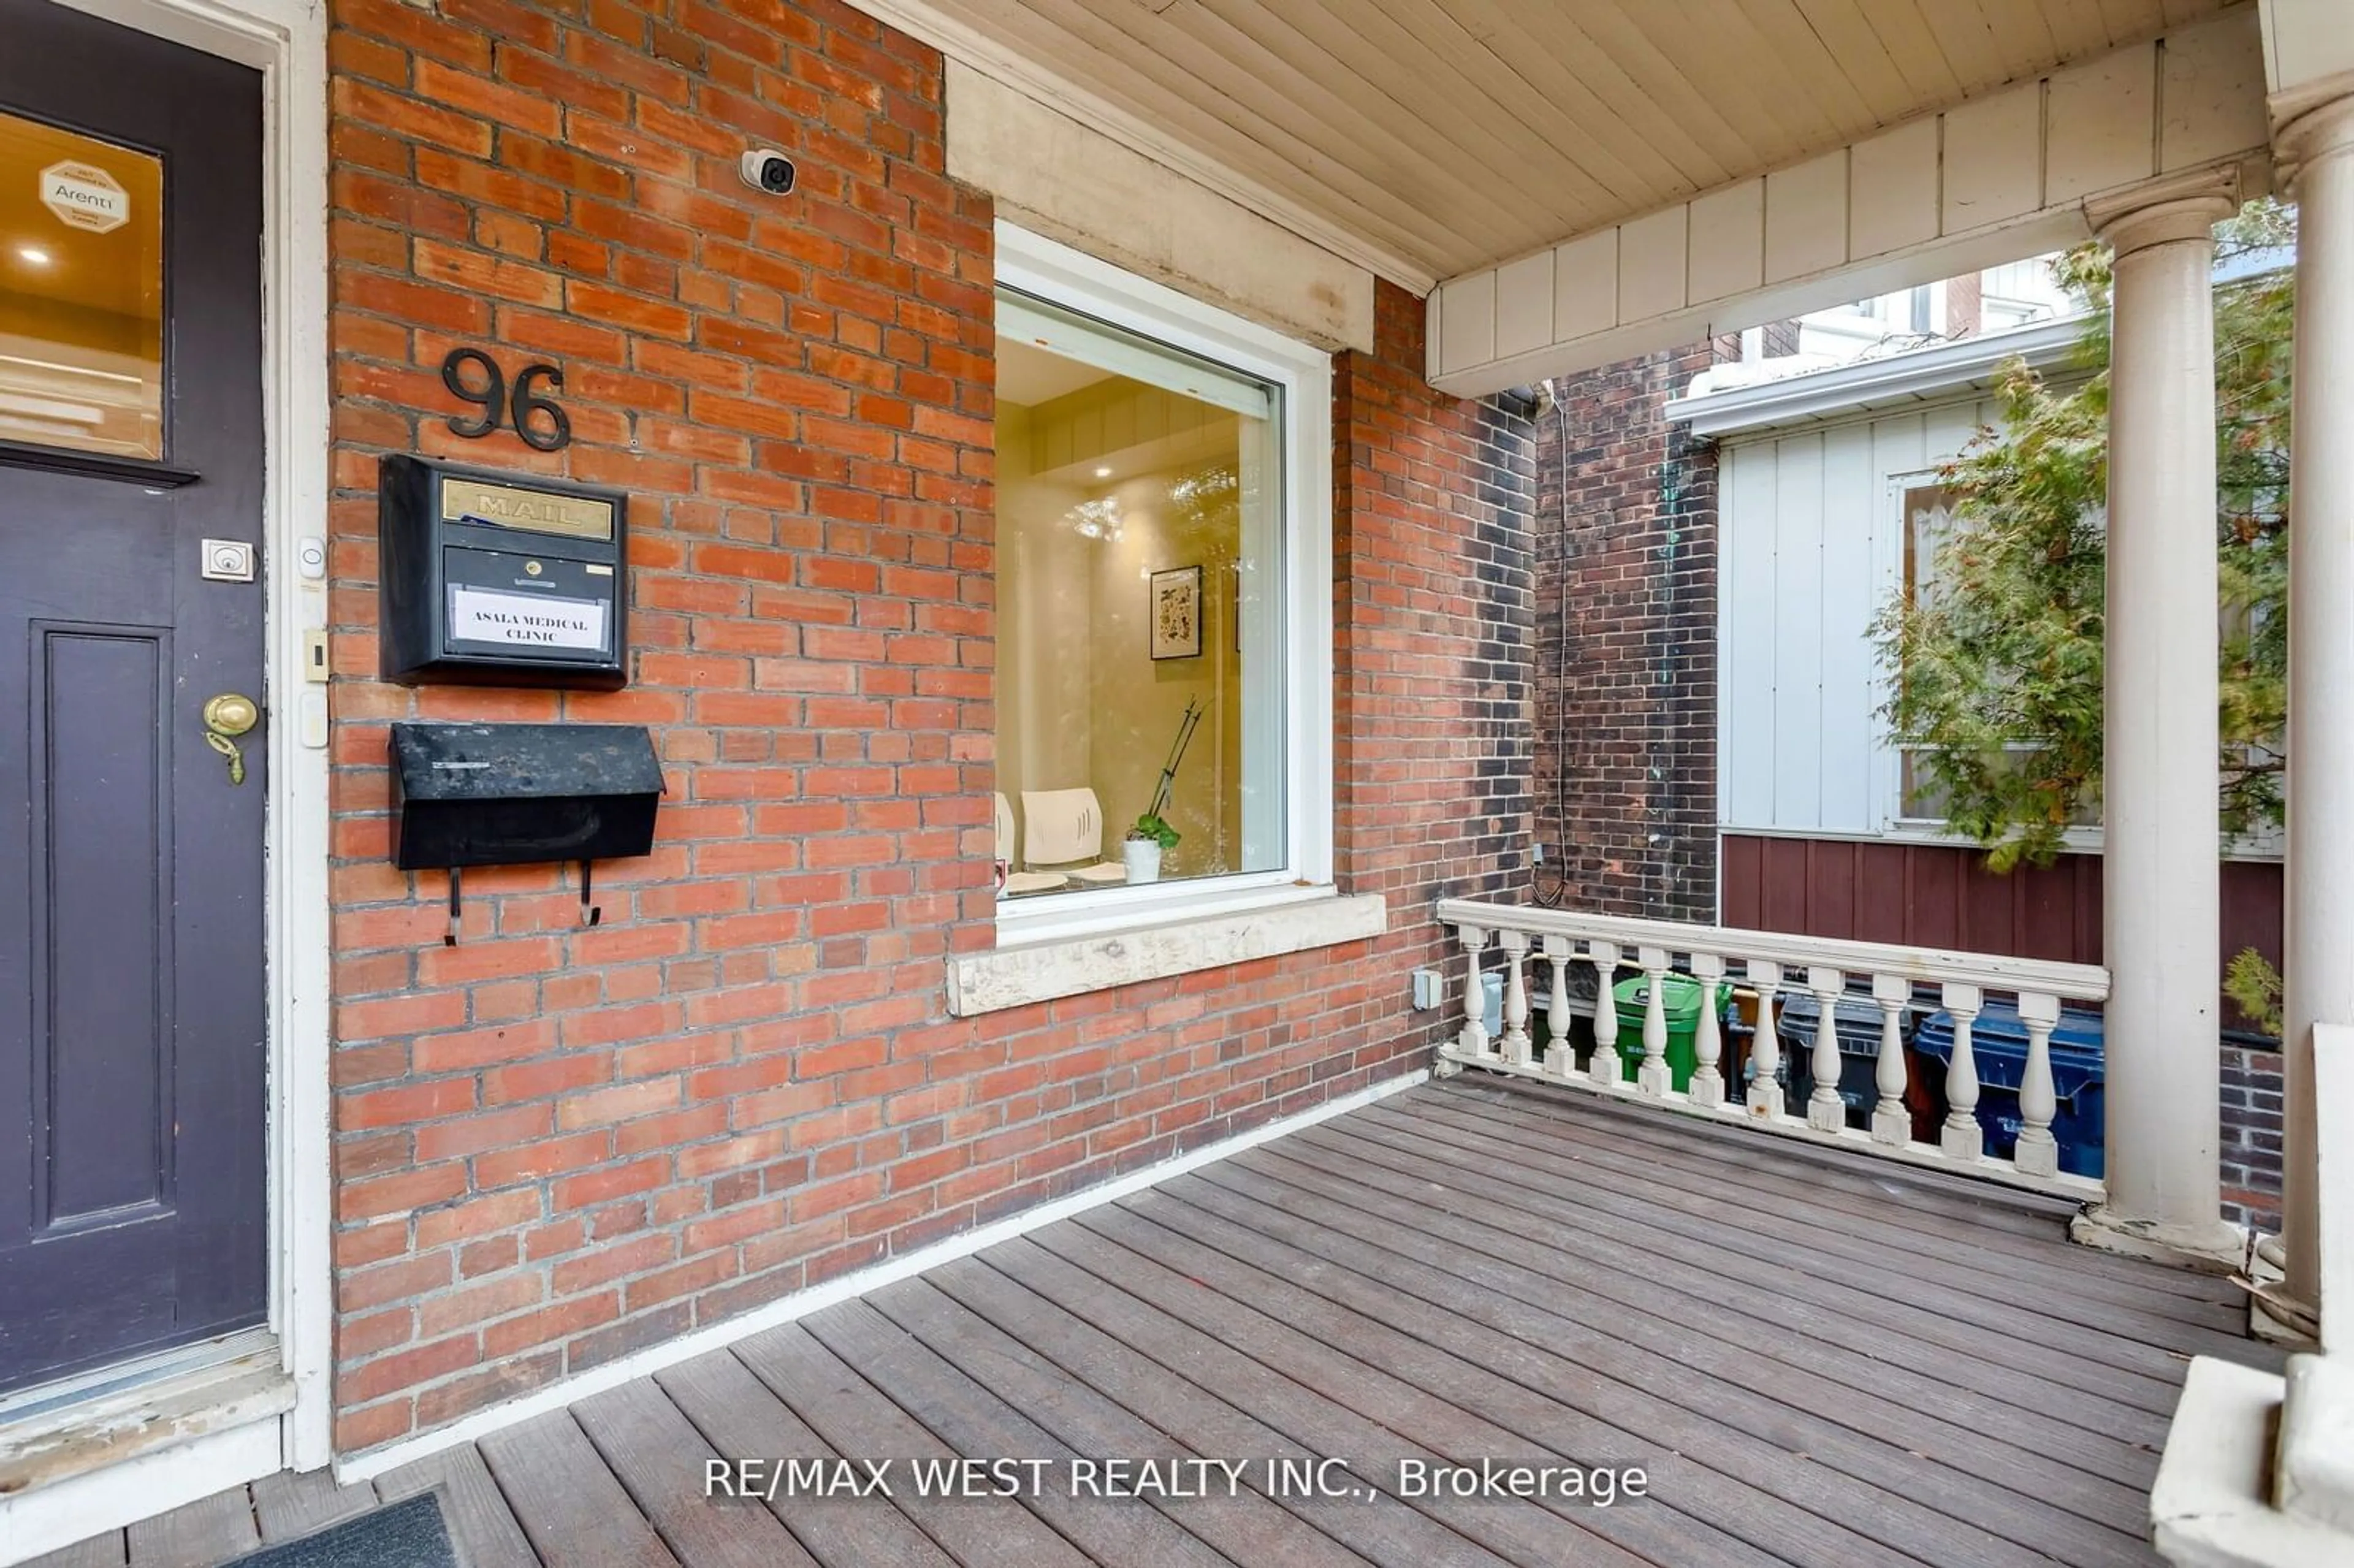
(1056, 273)
(1896, 826)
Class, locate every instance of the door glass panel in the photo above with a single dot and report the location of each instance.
(81, 291)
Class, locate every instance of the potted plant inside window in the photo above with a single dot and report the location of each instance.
(1141, 848)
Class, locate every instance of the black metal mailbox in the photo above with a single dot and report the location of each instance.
(513, 794)
(500, 578)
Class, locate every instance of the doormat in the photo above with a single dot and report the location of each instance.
(409, 1534)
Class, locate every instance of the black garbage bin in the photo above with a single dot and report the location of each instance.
(1856, 1021)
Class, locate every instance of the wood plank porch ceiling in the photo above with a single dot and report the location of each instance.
(1451, 134)
(1819, 1360)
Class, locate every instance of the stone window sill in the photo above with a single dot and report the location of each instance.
(1297, 921)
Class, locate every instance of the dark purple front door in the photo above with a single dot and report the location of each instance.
(133, 1204)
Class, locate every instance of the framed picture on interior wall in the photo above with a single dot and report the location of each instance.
(1176, 612)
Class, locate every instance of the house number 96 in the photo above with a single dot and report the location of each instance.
(538, 419)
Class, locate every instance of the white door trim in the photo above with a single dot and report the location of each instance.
(286, 40)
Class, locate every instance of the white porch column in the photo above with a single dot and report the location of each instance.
(2319, 959)
(2160, 881)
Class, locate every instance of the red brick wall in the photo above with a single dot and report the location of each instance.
(1626, 644)
(556, 1145)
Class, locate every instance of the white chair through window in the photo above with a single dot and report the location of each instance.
(1064, 828)
(1017, 881)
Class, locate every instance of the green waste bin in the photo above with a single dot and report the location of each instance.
(1680, 999)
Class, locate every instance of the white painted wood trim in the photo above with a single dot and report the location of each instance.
(1850, 392)
(2076, 982)
(669, 1352)
(287, 41)
(1063, 275)
(2007, 184)
(1073, 966)
(138, 1489)
(972, 47)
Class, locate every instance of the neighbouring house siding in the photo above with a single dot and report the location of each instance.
(1626, 609)
(556, 1145)
(1813, 548)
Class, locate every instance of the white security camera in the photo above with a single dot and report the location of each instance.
(767, 170)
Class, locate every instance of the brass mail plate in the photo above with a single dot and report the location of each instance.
(535, 511)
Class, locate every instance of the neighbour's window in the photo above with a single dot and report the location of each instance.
(1930, 519)
(1142, 537)
(81, 291)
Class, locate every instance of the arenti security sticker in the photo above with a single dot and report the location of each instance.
(526, 620)
(84, 196)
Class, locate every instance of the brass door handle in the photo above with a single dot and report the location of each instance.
(227, 716)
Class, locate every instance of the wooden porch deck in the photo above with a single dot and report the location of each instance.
(1818, 1360)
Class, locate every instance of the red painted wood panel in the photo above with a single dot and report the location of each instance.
(1942, 895)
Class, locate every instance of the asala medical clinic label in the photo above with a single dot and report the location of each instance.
(526, 620)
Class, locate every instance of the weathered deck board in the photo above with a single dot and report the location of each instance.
(205, 1531)
(2045, 1261)
(1646, 1224)
(659, 1459)
(576, 1512)
(1822, 1360)
(473, 1510)
(1250, 1528)
(1862, 1472)
(288, 1505)
(1694, 1326)
(739, 1417)
(1784, 1217)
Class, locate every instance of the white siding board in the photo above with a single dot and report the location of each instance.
(1893, 179)
(1651, 258)
(1798, 633)
(1585, 285)
(2210, 95)
(1948, 430)
(1812, 537)
(1524, 304)
(1728, 241)
(1994, 155)
(1745, 657)
(1851, 599)
(1467, 325)
(1806, 217)
(2101, 114)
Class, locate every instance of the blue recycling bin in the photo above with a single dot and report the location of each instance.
(1999, 1047)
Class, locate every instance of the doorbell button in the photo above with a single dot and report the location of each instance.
(310, 557)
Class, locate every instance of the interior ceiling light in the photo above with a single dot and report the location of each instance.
(32, 255)
(1103, 472)
(1094, 519)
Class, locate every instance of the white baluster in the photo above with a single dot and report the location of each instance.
(1765, 1044)
(1708, 1044)
(1603, 1067)
(1473, 1039)
(1960, 1136)
(1558, 1057)
(1890, 1122)
(1654, 1078)
(2038, 1153)
(1826, 1112)
(1516, 997)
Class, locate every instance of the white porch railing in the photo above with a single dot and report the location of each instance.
(1539, 948)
